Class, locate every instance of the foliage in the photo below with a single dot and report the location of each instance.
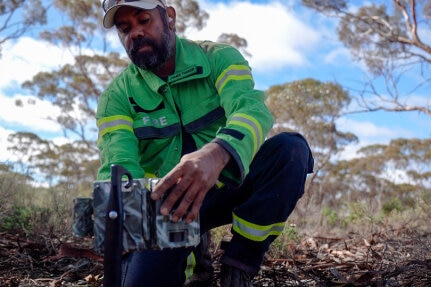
(29, 210)
(331, 216)
(11, 184)
(312, 108)
(29, 220)
(292, 233)
(189, 15)
(390, 40)
(18, 16)
(282, 246)
(394, 204)
(71, 163)
(381, 172)
(16, 220)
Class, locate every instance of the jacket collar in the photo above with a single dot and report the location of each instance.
(190, 63)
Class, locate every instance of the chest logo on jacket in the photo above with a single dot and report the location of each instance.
(147, 120)
(158, 122)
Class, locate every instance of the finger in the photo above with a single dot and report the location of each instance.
(196, 191)
(165, 183)
(174, 195)
(197, 203)
(186, 202)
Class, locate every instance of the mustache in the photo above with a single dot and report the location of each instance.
(141, 42)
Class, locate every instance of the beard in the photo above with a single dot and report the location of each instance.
(153, 59)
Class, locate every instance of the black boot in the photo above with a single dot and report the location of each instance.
(231, 276)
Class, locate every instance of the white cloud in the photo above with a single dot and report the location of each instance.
(418, 100)
(21, 60)
(276, 36)
(34, 114)
(349, 152)
(385, 128)
(368, 132)
(333, 57)
(5, 156)
(24, 58)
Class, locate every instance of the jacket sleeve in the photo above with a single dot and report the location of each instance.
(117, 142)
(248, 119)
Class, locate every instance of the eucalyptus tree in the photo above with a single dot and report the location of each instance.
(392, 39)
(18, 16)
(312, 108)
(385, 177)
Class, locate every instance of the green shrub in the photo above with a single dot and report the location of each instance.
(290, 232)
(17, 219)
(331, 216)
(393, 204)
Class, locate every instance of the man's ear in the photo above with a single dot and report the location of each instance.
(170, 11)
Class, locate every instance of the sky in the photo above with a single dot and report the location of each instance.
(286, 43)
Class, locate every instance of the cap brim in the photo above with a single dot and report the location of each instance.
(108, 19)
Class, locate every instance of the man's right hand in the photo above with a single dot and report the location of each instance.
(190, 180)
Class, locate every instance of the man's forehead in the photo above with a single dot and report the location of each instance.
(133, 11)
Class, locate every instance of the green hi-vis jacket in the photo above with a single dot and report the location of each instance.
(211, 94)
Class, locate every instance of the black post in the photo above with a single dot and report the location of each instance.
(114, 228)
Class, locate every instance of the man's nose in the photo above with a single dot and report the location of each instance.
(137, 32)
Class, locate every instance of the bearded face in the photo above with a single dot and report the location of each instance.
(148, 54)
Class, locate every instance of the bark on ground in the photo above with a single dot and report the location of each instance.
(400, 258)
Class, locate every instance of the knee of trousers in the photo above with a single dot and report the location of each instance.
(286, 160)
(293, 147)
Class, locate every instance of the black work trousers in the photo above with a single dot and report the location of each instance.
(268, 195)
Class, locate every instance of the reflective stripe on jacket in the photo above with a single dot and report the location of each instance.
(211, 94)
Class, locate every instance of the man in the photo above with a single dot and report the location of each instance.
(187, 112)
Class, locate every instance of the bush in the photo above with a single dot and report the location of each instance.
(393, 205)
(16, 219)
(331, 216)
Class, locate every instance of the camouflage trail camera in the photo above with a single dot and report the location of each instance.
(143, 227)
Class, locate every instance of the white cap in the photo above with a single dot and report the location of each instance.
(111, 7)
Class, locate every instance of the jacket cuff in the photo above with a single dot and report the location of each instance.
(233, 173)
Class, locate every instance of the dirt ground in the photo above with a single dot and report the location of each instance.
(400, 258)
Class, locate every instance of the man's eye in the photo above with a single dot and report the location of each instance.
(123, 29)
(144, 21)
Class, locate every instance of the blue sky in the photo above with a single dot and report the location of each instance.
(286, 41)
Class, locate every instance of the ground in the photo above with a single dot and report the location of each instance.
(396, 258)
